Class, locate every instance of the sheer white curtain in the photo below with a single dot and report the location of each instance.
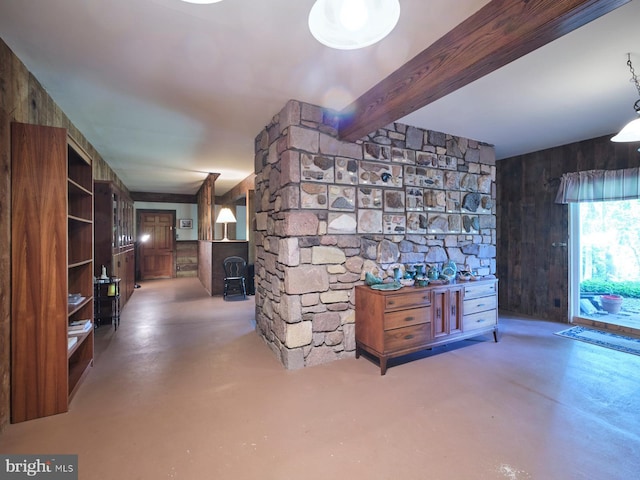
(599, 185)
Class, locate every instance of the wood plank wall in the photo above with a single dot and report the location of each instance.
(204, 264)
(22, 99)
(533, 273)
(206, 207)
(187, 258)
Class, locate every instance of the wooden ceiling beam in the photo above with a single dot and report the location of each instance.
(497, 34)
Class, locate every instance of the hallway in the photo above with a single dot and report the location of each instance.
(185, 389)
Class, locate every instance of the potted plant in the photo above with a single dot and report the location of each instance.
(611, 303)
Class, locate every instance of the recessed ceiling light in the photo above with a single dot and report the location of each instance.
(351, 24)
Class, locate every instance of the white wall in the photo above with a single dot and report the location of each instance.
(183, 210)
(241, 226)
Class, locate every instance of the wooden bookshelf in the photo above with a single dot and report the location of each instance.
(80, 257)
(114, 246)
(52, 257)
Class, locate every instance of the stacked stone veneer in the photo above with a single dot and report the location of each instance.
(328, 211)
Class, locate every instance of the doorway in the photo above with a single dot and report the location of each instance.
(157, 244)
(605, 264)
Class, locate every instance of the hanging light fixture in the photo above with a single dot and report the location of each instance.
(631, 131)
(351, 24)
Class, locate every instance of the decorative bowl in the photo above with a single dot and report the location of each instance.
(407, 282)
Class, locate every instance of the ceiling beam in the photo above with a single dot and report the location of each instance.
(163, 197)
(497, 34)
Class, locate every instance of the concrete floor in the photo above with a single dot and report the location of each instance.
(186, 389)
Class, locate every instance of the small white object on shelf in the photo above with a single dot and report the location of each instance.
(71, 341)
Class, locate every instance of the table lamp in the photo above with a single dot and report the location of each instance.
(225, 216)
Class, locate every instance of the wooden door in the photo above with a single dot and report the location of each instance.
(157, 253)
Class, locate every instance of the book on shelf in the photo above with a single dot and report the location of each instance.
(79, 326)
(75, 299)
(71, 341)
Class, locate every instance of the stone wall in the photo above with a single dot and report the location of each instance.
(328, 211)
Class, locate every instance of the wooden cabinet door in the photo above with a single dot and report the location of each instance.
(440, 319)
(456, 295)
(447, 311)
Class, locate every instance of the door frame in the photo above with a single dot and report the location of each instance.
(139, 213)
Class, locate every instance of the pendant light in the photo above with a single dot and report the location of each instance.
(631, 131)
(351, 24)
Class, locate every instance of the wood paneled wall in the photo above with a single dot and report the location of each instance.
(206, 207)
(22, 99)
(187, 258)
(533, 273)
(210, 262)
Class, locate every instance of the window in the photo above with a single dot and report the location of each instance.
(605, 259)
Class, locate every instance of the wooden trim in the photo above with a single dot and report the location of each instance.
(497, 34)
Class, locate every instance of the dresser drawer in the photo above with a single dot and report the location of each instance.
(479, 289)
(480, 320)
(407, 337)
(406, 318)
(408, 299)
(475, 305)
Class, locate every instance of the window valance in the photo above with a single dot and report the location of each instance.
(599, 185)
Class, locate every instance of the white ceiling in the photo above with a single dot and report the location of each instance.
(168, 91)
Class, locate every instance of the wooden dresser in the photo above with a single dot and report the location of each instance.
(394, 323)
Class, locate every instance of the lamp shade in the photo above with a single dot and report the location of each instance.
(351, 24)
(630, 133)
(226, 216)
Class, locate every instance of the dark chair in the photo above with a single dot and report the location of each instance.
(234, 275)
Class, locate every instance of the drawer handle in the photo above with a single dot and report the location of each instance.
(426, 297)
(391, 302)
(480, 320)
(409, 319)
(480, 305)
(408, 337)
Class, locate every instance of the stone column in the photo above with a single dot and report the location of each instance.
(328, 211)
